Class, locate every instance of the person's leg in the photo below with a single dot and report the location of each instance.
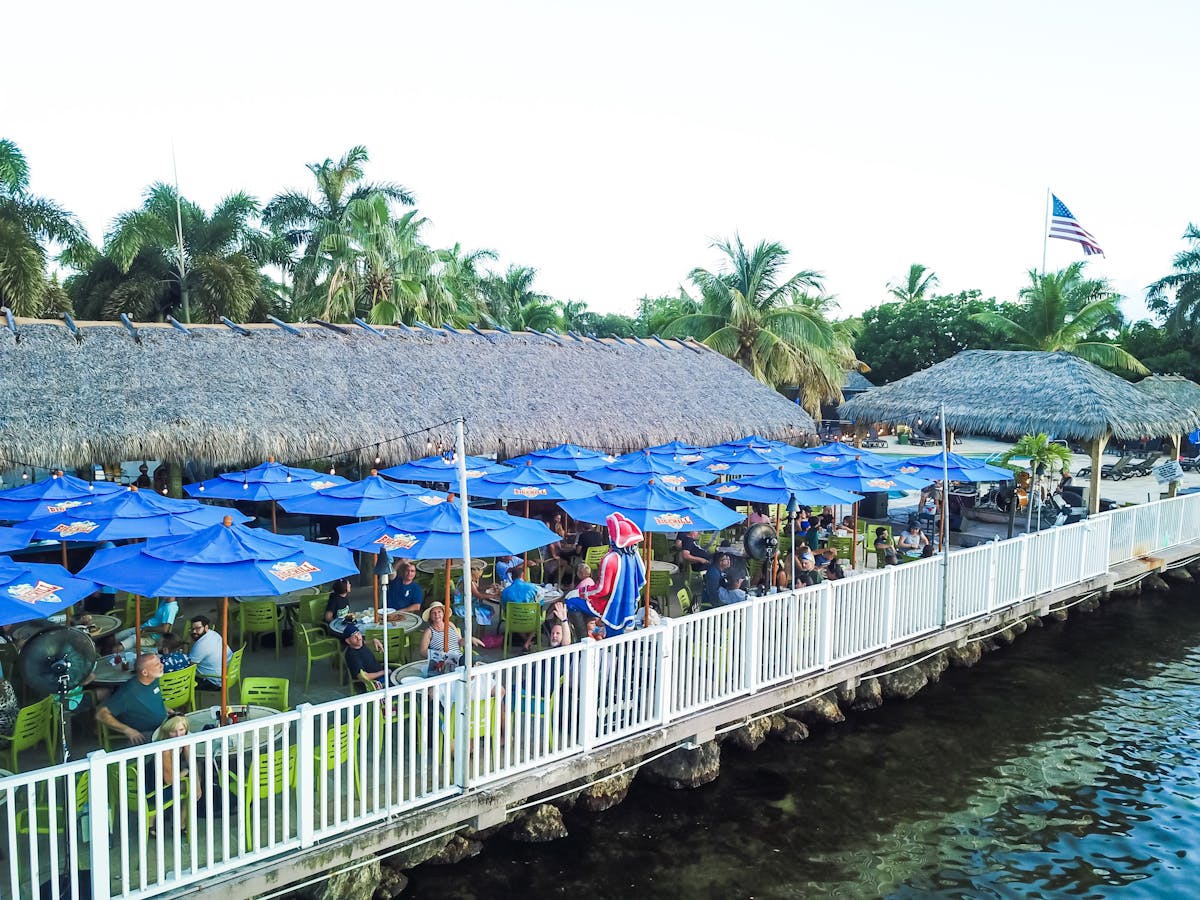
(124, 639)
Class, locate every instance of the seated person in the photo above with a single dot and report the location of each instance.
(912, 538)
(758, 514)
(153, 628)
(339, 600)
(359, 658)
(884, 543)
(136, 708)
(407, 595)
(808, 574)
(433, 641)
(206, 654)
(174, 659)
(583, 576)
(829, 565)
(691, 553)
(506, 567)
(520, 591)
(594, 629)
(590, 536)
(718, 589)
(814, 535)
(558, 634)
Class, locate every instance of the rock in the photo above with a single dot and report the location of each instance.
(788, 730)
(1019, 627)
(965, 656)
(601, 795)
(1035, 622)
(414, 856)
(358, 883)
(683, 768)
(1155, 583)
(1193, 566)
(845, 694)
(751, 735)
(1004, 637)
(393, 884)
(935, 666)
(1091, 604)
(456, 850)
(538, 825)
(1180, 575)
(904, 684)
(1128, 590)
(821, 710)
(1057, 615)
(869, 694)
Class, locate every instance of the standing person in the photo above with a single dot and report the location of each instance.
(143, 479)
(153, 628)
(136, 708)
(338, 604)
(206, 654)
(406, 596)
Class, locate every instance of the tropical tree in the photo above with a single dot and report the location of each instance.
(505, 295)
(463, 278)
(752, 313)
(306, 223)
(1176, 297)
(28, 226)
(655, 314)
(915, 286)
(1064, 311)
(142, 273)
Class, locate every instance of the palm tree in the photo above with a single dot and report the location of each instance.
(141, 272)
(504, 296)
(461, 275)
(306, 223)
(920, 280)
(1065, 311)
(754, 315)
(1045, 458)
(27, 224)
(1177, 296)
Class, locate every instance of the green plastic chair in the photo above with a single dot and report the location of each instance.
(35, 724)
(685, 601)
(179, 689)
(593, 555)
(259, 617)
(272, 774)
(522, 618)
(143, 800)
(340, 748)
(316, 645)
(260, 691)
(397, 650)
(43, 815)
(233, 671)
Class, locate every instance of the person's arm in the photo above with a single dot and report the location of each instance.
(425, 641)
(105, 717)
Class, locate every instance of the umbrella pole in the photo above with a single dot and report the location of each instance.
(526, 566)
(224, 660)
(792, 554)
(375, 598)
(649, 560)
(67, 611)
(137, 625)
(446, 623)
(854, 540)
(274, 527)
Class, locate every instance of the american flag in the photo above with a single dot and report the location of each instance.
(1064, 226)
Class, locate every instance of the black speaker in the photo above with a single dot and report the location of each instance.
(874, 505)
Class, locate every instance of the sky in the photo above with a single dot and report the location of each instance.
(608, 145)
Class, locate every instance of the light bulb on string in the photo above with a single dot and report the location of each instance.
(25, 475)
(331, 470)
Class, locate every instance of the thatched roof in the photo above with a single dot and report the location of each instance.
(1176, 389)
(217, 395)
(1020, 392)
(856, 382)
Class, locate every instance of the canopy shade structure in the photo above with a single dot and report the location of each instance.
(655, 507)
(442, 469)
(639, 467)
(1176, 389)
(266, 481)
(436, 533)
(528, 482)
(373, 496)
(564, 458)
(130, 515)
(748, 461)
(223, 396)
(54, 494)
(953, 467)
(37, 590)
(834, 453)
(14, 539)
(863, 477)
(780, 486)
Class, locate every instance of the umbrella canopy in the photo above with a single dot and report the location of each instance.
(747, 461)
(751, 441)
(678, 451)
(436, 533)
(129, 515)
(654, 507)
(54, 494)
(528, 482)
(952, 466)
(220, 561)
(14, 539)
(780, 486)
(638, 468)
(836, 452)
(442, 469)
(373, 496)
(36, 590)
(863, 477)
(564, 458)
(266, 481)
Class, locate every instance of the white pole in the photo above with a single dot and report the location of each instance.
(1045, 230)
(945, 520)
(468, 612)
(383, 596)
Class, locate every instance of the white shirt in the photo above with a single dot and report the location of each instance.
(206, 654)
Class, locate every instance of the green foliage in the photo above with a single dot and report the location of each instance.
(900, 338)
(1043, 455)
(917, 284)
(1177, 296)
(1165, 351)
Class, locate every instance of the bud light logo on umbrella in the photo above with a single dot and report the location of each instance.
(301, 571)
(726, 488)
(42, 592)
(431, 499)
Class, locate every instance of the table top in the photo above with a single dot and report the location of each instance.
(433, 566)
(203, 717)
(412, 670)
(409, 622)
(657, 565)
(101, 625)
(108, 673)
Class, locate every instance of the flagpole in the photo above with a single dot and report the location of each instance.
(1045, 230)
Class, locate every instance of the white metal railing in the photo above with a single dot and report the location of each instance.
(139, 826)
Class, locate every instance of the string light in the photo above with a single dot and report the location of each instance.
(25, 475)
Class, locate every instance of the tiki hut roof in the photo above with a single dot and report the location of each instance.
(856, 383)
(1013, 392)
(236, 395)
(1175, 389)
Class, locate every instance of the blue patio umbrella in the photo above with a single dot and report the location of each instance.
(267, 481)
(220, 561)
(14, 539)
(564, 458)
(638, 468)
(835, 452)
(129, 515)
(1194, 437)
(782, 487)
(54, 494)
(953, 467)
(655, 508)
(751, 441)
(373, 496)
(528, 482)
(678, 451)
(37, 590)
(439, 469)
(747, 461)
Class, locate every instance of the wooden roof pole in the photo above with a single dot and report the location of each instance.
(1094, 482)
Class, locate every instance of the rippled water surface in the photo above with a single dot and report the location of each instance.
(1065, 765)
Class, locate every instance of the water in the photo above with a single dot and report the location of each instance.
(1065, 765)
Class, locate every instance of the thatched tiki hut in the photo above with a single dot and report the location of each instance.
(1176, 389)
(103, 392)
(1008, 392)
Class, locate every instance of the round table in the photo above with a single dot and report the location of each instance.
(663, 566)
(101, 625)
(412, 670)
(107, 673)
(197, 721)
(433, 566)
(549, 594)
(409, 622)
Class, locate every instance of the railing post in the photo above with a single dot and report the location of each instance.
(753, 643)
(1057, 532)
(1023, 569)
(825, 605)
(664, 671)
(1086, 552)
(97, 823)
(306, 741)
(460, 690)
(589, 694)
(993, 573)
(1159, 544)
(889, 607)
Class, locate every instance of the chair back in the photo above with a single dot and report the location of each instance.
(260, 615)
(233, 670)
(593, 555)
(311, 608)
(843, 545)
(660, 584)
(685, 601)
(272, 692)
(397, 642)
(339, 745)
(523, 617)
(137, 610)
(33, 725)
(178, 689)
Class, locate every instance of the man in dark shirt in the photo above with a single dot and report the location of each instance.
(691, 552)
(719, 590)
(359, 658)
(136, 709)
(808, 574)
(339, 599)
(591, 537)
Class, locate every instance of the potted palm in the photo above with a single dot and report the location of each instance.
(1045, 457)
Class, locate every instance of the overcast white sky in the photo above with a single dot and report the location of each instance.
(607, 144)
